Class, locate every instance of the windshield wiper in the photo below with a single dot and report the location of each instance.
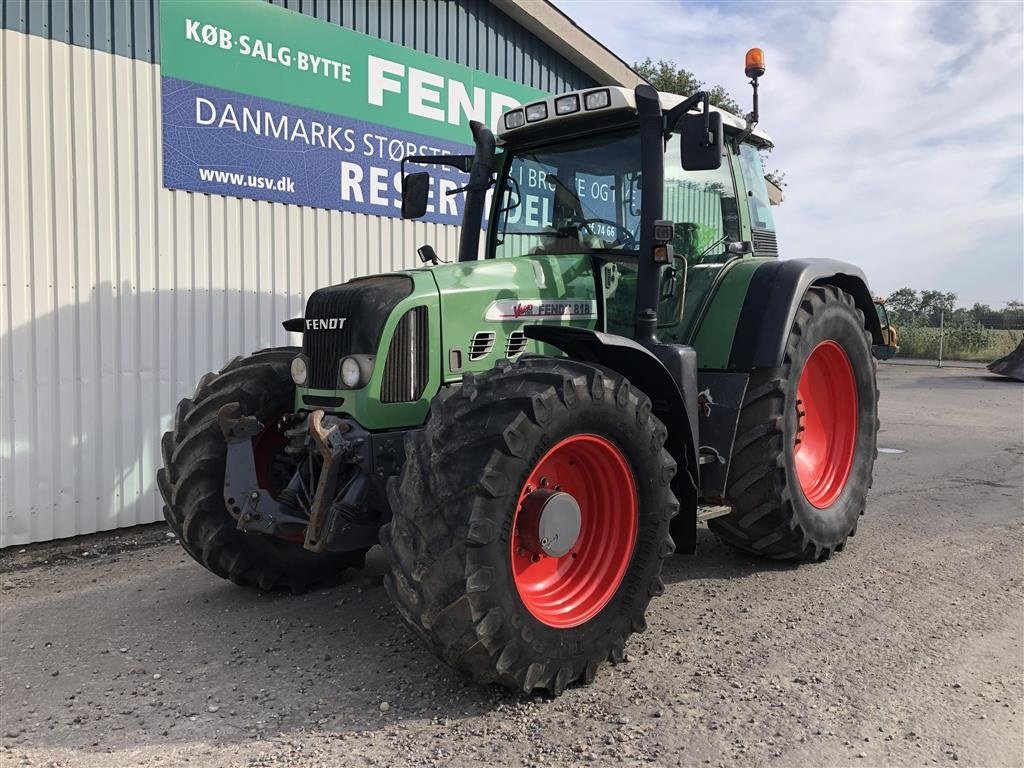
(573, 195)
(503, 213)
(708, 250)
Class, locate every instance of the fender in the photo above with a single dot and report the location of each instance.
(773, 298)
(675, 405)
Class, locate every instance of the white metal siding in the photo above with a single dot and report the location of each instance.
(118, 294)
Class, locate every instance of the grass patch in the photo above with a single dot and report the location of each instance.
(973, 343)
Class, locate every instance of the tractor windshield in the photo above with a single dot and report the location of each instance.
(579, 196)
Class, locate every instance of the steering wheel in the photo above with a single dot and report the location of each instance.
(624, 236)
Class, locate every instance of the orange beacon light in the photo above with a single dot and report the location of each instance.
(754, 64)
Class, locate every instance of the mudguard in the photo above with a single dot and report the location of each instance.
(674, 404)
(773, 298)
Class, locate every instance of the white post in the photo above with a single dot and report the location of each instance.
(942, 318)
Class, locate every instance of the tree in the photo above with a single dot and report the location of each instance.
(669, 77)
(936, 303)
(909, 307)
(903, 302)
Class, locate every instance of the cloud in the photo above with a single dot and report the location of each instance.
(900, 126)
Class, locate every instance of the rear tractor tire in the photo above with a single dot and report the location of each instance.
(530, 523)
(192, 479)
(805, 445)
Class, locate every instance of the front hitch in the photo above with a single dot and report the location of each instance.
(339, 519)
(339, 514)
(254, 508)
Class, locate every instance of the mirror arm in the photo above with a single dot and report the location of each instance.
(674, 115)
(459, 162)
(462, 163)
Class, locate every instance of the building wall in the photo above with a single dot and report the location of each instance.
(116, 294)
(469, 32)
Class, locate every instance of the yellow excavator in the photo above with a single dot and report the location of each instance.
(890, 336)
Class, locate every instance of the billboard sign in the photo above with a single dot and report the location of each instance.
(265, 103)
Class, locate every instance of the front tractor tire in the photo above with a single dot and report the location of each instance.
(805, 445)
(530, 523)
(192, 479)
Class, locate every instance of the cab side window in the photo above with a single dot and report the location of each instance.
(703, 206)
(757, 190)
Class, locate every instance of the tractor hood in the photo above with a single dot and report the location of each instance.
(416, 330)
(485, 305)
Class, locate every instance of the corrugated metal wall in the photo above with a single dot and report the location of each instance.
(469, 32)
(117, 294)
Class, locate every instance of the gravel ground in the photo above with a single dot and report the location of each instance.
(904, 649)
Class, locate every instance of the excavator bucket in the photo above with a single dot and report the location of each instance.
(1011, 365)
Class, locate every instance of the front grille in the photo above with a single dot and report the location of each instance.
(765, 243)
(408, 363)
(481, 344)
(364, 304)
(319, 401)
(515, 345)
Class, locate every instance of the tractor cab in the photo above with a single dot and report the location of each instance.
(654, 195)
(571, 181)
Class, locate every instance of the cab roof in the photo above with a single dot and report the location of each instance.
(620, 100)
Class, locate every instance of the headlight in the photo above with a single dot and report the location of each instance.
(536, 112)
(597, 99)
(567, 105)
(349, 372)
(514, 119)
(355, 371)
(300, 371)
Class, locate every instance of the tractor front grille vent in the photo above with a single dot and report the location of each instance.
(348, 319)
(515, 345)
(481, 344)
(407, 367)
(765, 243)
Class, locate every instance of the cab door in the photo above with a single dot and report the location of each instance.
(703, 205)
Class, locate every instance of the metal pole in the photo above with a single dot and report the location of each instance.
(942, 318)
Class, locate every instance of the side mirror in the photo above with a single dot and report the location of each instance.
(672, 289)
(427, 253)
(669, 283)
(415, 191)
(701, 149)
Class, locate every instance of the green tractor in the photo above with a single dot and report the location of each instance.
(532, 430)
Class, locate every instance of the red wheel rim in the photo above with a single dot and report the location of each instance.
(570, 590)
(826, 435)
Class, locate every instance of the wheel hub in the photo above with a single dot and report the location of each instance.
(574, 529)
(549, 522)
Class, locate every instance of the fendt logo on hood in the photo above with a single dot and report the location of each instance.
(325, 323)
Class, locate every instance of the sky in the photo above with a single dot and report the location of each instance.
(899, 125)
